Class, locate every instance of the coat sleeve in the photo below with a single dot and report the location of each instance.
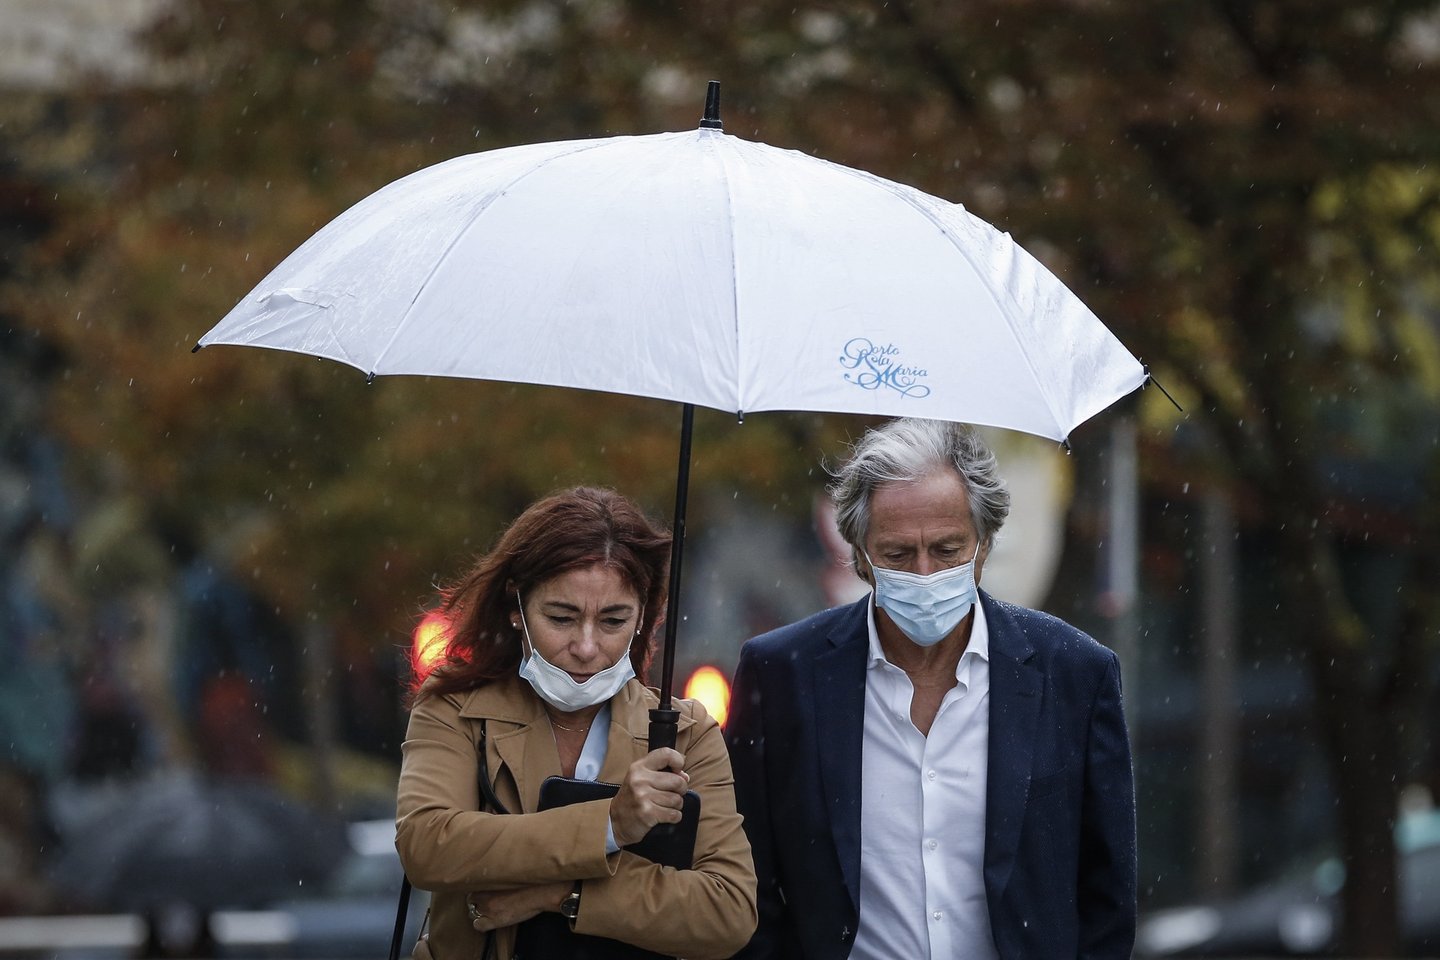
(1106, 887)
(446, 843)
(707, 911)
(746, 739)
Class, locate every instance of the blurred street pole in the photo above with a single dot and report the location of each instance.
(1122, 574)
(319, 696)
(1219, 706)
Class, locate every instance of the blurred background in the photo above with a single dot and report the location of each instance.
(212, 566)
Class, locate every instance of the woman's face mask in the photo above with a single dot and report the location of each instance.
(577, 649)
(926, 608)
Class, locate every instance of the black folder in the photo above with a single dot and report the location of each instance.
(548, 936)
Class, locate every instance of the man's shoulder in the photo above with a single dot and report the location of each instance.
(1048, 634)
(810, 634)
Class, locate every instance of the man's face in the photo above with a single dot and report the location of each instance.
(922, 527)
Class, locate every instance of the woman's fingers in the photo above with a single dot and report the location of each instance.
(665, 758)
(652, 792)
(491, 910)
(671, 783)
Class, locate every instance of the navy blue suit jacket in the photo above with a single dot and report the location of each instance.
(1060, 804)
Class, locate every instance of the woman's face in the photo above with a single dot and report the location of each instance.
(583, 620)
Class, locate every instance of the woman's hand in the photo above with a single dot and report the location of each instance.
(652, 792)
(504, 908)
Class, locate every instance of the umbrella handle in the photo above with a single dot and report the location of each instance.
(663, 727)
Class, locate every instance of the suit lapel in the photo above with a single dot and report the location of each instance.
(839, 703)
(1015, 695)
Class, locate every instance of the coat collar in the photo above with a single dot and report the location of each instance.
(520, 737)
(511, 700)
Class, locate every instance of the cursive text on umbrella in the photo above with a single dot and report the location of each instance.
(877, 366)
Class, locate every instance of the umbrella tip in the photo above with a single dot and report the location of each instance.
(711, 120)
(196, 348)
(1150, 378)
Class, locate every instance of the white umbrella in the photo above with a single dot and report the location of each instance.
(696, 267)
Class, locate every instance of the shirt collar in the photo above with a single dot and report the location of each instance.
(979, 644)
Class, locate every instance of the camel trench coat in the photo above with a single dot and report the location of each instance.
(451, 848)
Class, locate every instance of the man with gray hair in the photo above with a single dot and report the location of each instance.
(931, 772)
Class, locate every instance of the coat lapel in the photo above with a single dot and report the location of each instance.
(1015, 694)
(629, 738)
(839, 703)
(518, 739)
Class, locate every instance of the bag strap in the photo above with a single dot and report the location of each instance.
(487, 791)
(400, 912)
(487, 796)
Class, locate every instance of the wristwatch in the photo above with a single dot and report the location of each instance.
(570, 906)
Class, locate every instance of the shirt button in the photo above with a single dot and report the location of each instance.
(938, 916)
(933, 844)
(930, 775)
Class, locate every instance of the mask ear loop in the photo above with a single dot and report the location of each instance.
(527, 646)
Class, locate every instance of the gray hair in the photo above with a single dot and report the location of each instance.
(910, 449)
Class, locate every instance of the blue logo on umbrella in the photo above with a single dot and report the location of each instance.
(879, 366)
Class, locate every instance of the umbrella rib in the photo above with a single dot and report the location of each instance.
(903, 193)
(734, 281)
(464, 229)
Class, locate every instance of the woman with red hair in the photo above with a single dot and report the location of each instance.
(546, 637)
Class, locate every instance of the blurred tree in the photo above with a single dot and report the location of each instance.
(258, 123)
(1244, 190)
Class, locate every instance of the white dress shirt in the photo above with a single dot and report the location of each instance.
(922, 813)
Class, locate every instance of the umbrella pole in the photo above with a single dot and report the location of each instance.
(665, 719)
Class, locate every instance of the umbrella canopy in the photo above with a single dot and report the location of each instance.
(696, 267)
(182, 840)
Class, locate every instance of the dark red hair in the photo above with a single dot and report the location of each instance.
(569, 530)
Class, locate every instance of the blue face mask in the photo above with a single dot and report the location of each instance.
(926, 608)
